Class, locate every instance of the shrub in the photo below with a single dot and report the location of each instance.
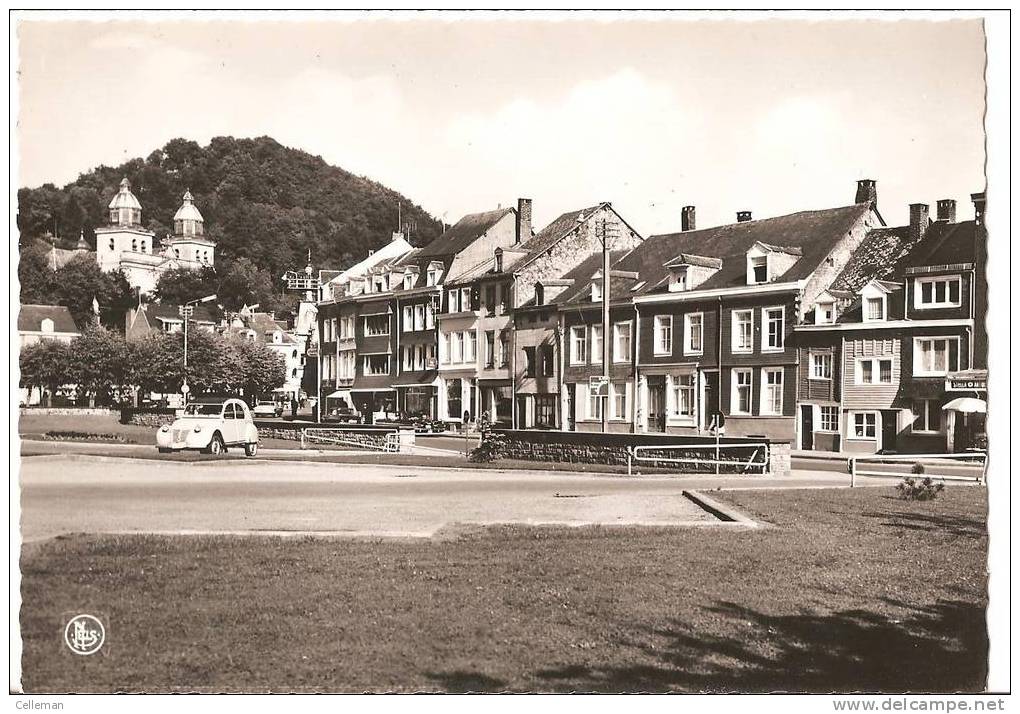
(917, 469)
(493, 446)
(925, 490)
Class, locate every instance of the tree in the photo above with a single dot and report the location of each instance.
(244, 283)
(178, 286)
(264, 370)
(38, 281)
(81, 280)
(99, 360)
(46, 365)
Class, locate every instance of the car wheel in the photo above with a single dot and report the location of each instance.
(251, 449)
(216, 446)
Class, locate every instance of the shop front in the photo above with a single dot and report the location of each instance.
(496, 401)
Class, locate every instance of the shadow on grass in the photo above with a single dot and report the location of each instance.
(936, 522)
(463, 681)
(940, 648)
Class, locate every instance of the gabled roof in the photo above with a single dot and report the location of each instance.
(557, 230)
(691, 259)
(814, 233)
(788, 249)
(463, 233)
(886, 286)
(30, 318)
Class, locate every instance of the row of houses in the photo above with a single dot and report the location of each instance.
(827, 327)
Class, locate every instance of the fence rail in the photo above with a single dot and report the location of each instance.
(966, 458)
(759, 456)
(336, 437)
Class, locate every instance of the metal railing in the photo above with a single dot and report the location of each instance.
(336, 437)
(760, 455)
(967, 458)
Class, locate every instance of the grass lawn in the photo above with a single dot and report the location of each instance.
(845, 591)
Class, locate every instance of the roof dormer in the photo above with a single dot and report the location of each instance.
(875, 300)
(687, 271)
(766, 263)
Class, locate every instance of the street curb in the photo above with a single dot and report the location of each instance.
(719, 510)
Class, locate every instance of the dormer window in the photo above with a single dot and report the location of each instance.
(596, 292)
(678, 281)
(874, 309)
(379, 284)
(46, 325)
(825, 313)
(758, 269)
(408, 281)
(539, 294)
(498, 259)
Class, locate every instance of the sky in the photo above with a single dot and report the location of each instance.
(461, 115)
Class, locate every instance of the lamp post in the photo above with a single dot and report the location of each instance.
(186, 310)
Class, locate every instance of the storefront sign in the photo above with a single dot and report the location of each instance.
(966, 384)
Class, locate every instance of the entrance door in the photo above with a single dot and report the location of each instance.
(568, 423)
(711, 386)
(656, 407)
(889, 430)
(807, 427)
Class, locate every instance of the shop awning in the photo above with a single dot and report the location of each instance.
(966, 405)
(339, 394)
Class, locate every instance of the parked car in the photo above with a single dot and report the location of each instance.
(210, 425)
(267, 409)
(344, 414)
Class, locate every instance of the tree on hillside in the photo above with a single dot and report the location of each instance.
(45, 365)
(244, 283)
(38, 281)
(178, 286)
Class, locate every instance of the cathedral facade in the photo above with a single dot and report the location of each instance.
(126, 245)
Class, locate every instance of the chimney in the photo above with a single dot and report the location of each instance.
(523, 220)
(687, 218)
(918, 221)
(979, 208)
(743, 216)
(867, 192)
(945, 210)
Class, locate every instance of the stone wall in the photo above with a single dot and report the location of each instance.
(66, 411)
(613, 449)
(154, 418)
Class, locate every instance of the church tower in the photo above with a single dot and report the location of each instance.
(189, 246)
(123, 239)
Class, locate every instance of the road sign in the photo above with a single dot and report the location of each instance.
(185, 388)
(598, 386)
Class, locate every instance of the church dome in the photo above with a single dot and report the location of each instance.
(188, 220)
(125, 210)
(124, 198)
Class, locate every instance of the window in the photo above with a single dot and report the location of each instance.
(408, 318)
(578, 351)
(545, 410)
(596, 291)
(821, 365)
(773, 324)
(597, 349)
(490, 349)
(683, 396)
(828, 419)
(772, 391)
(408, 358)
(452, 301)
(465, 299)
(408, 281)
(530, 367)
(453, 399)
(548, 361)
(378, 284)
(741, 396)
(490, 299)
(936, 356)
(874, 371)
(470, 346)
(927, 416)
(377, 364)
(663, 334)
(112, 247)
(430, 316)
(46, 325)
(456, 347)
(937, 292)
(742, 331)
(693, 329)
(874, 309)
(621, 342)
(503, 352)
(594, 405)
(432, 278)
(618, 400)
(759, 269)
(377, 325)
(444, 348)
(134, 245)
(863, 425)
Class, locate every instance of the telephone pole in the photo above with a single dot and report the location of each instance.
(606, 232)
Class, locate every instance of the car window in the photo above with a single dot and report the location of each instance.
(202, 410)
(228, 411)
(240, 411)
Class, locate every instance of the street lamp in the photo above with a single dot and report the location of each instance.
(186, 311)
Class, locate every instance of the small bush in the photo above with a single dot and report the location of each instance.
(917, 469)
(71, 435)
(925, 490)
(493, 446)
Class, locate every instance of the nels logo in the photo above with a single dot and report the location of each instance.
(84, 634)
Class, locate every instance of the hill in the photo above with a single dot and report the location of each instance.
(260, 200)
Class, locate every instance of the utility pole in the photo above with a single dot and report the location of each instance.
(186, 310)
(606, 231)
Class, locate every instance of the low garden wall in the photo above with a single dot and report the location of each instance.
(148, 416)
(615, 449)
(67, 411)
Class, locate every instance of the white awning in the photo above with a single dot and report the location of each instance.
(966, 405)
(339, 394)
